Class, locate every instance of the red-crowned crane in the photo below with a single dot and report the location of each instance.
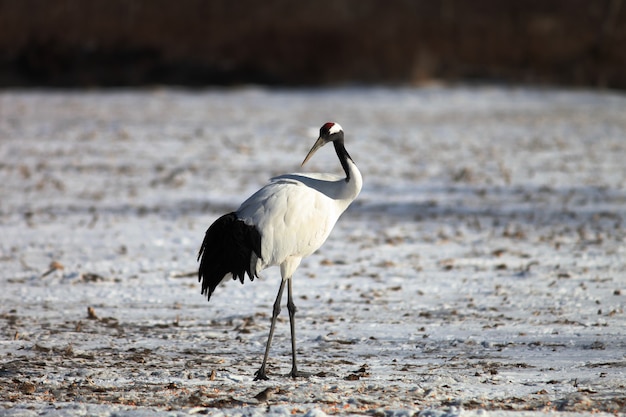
(280, 224)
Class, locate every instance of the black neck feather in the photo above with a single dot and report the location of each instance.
(343, 156)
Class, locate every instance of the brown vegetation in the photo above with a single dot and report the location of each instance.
(279, 42)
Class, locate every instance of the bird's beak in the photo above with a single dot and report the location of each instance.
(318, 144)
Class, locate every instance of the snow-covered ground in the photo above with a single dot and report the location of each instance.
(482, 270)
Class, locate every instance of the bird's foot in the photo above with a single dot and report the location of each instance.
(299, 374)
(260, 375)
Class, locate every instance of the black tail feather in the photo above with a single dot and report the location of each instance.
(227, 249)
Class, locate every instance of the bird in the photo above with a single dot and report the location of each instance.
(283, 222)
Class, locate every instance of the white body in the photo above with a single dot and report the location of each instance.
(295, 213)
(286, 220)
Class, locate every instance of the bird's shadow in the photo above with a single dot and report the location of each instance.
(536, 205)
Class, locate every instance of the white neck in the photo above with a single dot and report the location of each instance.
(352, 187)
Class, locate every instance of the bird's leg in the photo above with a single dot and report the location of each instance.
(292, 322)
(260, 374)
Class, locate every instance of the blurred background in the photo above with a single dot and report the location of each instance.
(92, 43)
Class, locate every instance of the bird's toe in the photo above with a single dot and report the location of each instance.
(260, 375)
(299, 374)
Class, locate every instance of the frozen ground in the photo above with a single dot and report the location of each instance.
(482, 271)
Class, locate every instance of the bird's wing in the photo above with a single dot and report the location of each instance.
(321, 176)
(293, 218)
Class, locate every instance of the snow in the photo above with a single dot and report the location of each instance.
(482, 270)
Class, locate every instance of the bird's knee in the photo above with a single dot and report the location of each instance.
(276, 310)
(292, 308)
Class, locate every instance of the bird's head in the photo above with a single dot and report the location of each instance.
(329, 132)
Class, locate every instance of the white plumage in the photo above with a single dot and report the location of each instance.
(295, 213)
(286, 220)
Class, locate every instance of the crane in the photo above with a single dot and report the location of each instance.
(283, 222)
